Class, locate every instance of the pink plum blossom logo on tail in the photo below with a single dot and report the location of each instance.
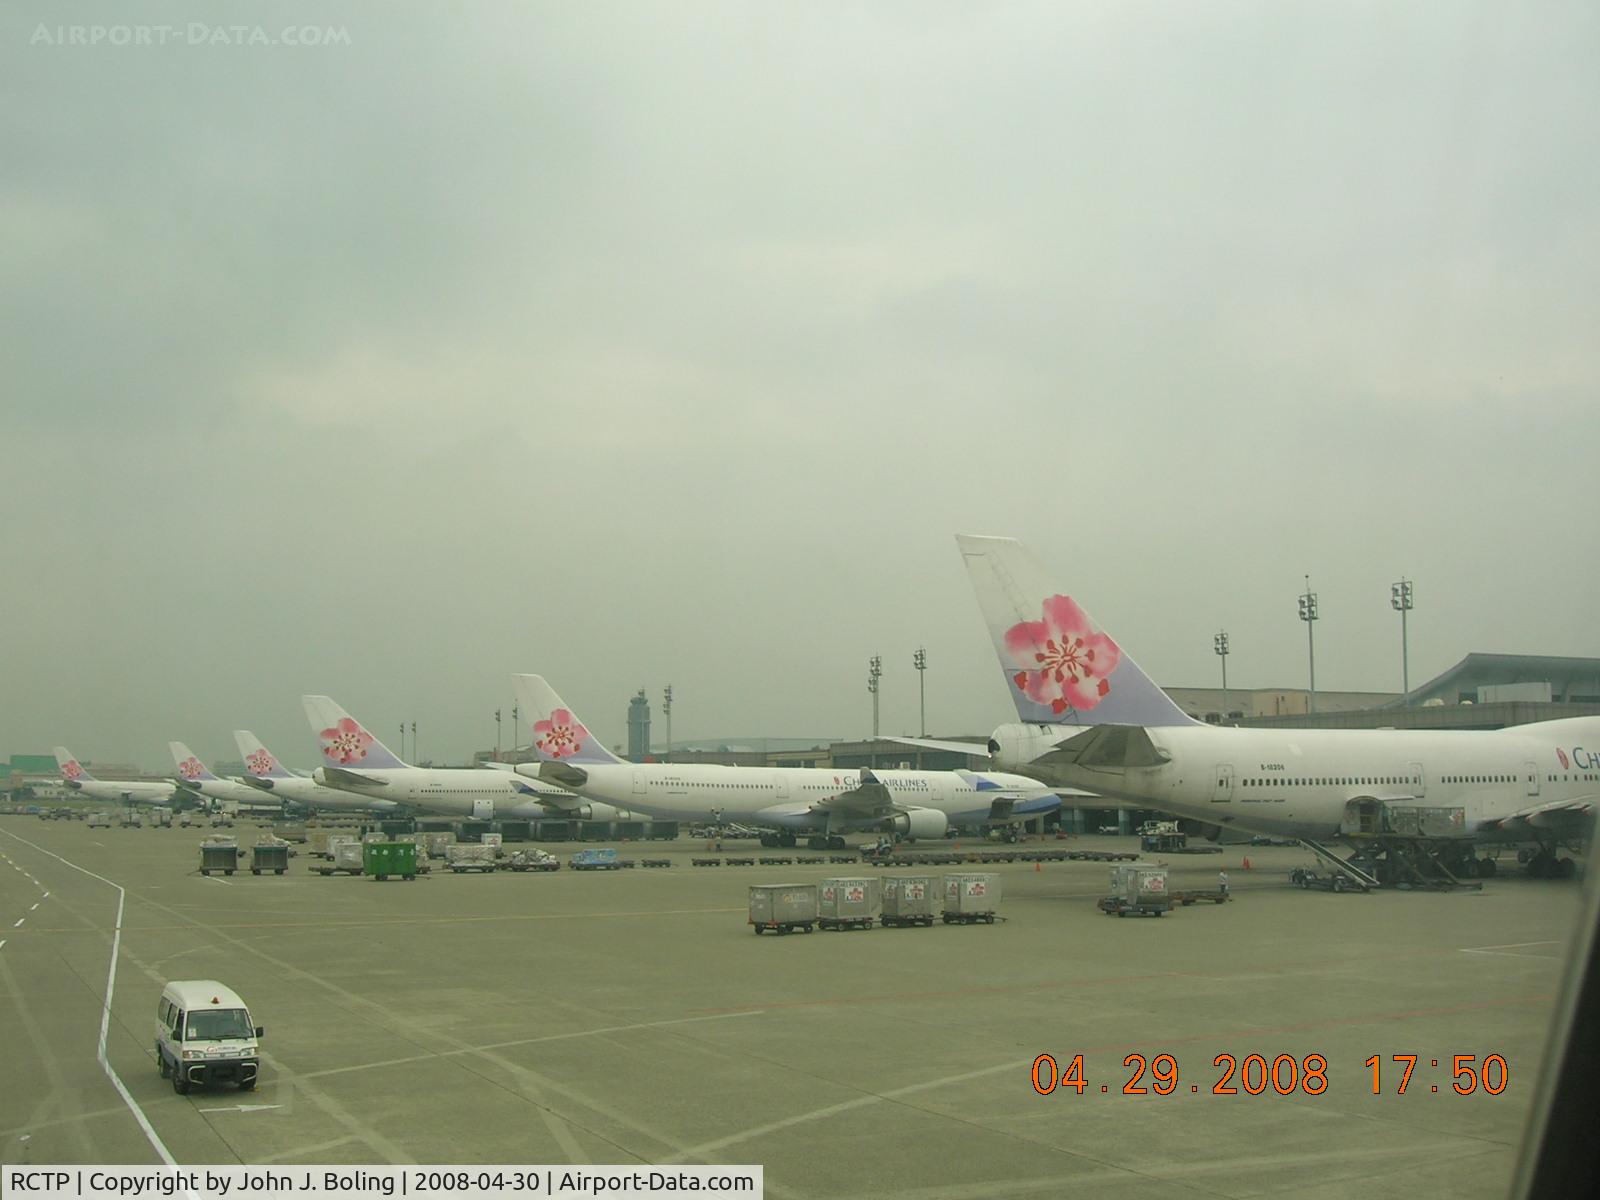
(1560, 753)
(561, 736)
(260, 763)
(345, 742)
(190, 768)
(71, 769)
(1066, 662)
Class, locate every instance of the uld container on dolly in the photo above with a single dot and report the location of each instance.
(219, 854)
(783, 907)
(847, 903)
(970, 898)
(1140, 889)
(379, 860)
(269, 854)
(908, 900)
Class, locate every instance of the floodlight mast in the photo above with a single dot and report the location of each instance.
(1220, 645)
(1308, 614)
(1400, 601)
(874, 673)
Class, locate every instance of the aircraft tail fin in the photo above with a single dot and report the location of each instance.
(558, 735)
(71, 769)
(190, 768)
(1060, 667)
(343, 740)
(258, 760)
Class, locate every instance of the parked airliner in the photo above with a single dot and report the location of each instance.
(356, 761)
(1090, 718)
(79, 780)
(265, 772)
(823, 803)
(195, 777)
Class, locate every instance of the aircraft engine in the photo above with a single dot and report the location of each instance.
(918, 823)
(578, 812)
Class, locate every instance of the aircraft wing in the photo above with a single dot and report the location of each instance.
(563, 775)
(1573, 818)
(869, 799)
(975, 749)
(340, 777)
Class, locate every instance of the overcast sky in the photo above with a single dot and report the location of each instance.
(649, 343)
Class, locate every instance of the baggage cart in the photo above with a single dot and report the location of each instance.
(908, 900)
(219, 854)
(469, 856)
(344, 855)
(435, 842)
(99, 820)
(1140, 889)
(269, 854)
(971, 897)
(848, 903)
(161, 818)
(783, 907)
(379, 860)
(595, 860)
(530, 859)
(289, 833)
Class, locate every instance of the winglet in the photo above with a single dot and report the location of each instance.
(1060, 667)
(71, 769)
(558, 735)
(190, 768)
(259, 762)
(342, 739)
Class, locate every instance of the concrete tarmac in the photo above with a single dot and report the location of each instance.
(631, 1016)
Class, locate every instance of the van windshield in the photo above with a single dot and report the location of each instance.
(213, 1024)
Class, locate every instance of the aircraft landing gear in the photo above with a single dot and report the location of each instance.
(1545, 864)
(769, 840)
(835, 843)
(786, 840)
(816, 842)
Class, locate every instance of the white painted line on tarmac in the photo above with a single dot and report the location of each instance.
(19, 921)
(243, 1108)
(1507, 946)
(2, 943)
(214, 879)
(35, 906)
(150, 1134)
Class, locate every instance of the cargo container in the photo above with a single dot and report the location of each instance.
(1137, 888)
(970, 898)
(908, 900)
(595, 860)
(269, 854)
(662, 831)
(851, 903)
(555, 831)
(630, 831)
(530, 859)
(494, 841)
(469, 856)
(161, 818)
(593, 831)
(782, 907)
(516, 831)
(219, 854)
(379, 860)
(472, 831)
(396, 826)
(344, 857)
(101, 820)
(435, 842)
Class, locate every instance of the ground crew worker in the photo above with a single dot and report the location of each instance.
(1222, 882)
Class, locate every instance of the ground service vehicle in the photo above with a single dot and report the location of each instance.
(204, 1035)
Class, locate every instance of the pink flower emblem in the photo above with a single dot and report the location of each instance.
(260, 763)
(1560, 753)
(562, 735)
(71, 769)
(346, 742)
(190, 768)
(1066, 662)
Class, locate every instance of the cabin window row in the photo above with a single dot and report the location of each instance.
(1325, 781)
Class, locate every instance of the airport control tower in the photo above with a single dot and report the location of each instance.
(639, 728)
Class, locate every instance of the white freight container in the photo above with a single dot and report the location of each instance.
(909, 900)
(783, 906)
(437, 842)
(848, 903)
(971, 896)
(347, 855)
(469, 856)
(494, 841)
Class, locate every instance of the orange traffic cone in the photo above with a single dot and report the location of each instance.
(1246, 862)
(1037, 866)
